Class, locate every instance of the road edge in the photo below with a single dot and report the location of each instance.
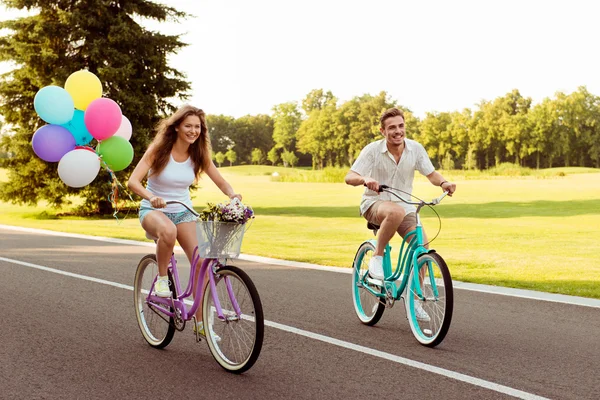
(490, 289)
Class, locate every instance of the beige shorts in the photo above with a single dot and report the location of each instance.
(408, 223)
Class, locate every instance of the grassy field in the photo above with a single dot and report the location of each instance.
(538, 231)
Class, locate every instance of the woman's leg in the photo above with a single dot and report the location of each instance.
(158, 225)
(186, 236)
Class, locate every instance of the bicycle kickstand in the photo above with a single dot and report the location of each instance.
(198, 336)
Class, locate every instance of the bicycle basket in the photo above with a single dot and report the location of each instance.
(219, 239)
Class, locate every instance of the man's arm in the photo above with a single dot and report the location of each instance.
(355, 179)
(437, 179)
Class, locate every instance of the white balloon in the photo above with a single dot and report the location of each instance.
(78, 167)
(125, 129)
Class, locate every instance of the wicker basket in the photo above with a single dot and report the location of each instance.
(219, 239)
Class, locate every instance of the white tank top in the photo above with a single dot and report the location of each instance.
(173, 183)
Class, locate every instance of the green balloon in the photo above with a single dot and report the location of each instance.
(116, 152)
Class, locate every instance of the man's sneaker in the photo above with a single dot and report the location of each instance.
(420, 313)
(161, 287)
(200, 328)
(376, 267)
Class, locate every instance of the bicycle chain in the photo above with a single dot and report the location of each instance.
(179, 323)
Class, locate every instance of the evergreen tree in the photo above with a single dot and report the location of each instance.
(60, 37)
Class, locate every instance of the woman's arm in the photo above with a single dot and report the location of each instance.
(214, 174)
(135, 180)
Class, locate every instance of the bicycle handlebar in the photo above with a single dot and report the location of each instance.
(434, 202)
(185, 205)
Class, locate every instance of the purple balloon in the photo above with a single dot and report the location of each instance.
(51, 142)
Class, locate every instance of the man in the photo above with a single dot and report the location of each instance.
(391, 161)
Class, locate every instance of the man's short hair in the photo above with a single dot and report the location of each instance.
(389, 113)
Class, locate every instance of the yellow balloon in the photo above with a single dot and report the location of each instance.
(84, 87)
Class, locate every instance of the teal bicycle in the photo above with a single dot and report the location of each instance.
(421, 278)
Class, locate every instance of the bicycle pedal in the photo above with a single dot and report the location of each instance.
(373, 281)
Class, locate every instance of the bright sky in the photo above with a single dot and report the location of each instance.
(245, 56)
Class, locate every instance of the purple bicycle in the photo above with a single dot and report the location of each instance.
(232, 312)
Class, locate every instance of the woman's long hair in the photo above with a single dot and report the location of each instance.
(166, 136)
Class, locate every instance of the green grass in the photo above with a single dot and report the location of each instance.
(535, 232)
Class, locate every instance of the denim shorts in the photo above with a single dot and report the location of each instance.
(176, 218)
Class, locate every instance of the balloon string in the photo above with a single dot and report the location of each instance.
(113, 196)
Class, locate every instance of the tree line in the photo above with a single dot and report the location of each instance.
(58, 38)
(559, 131)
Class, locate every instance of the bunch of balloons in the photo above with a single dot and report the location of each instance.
(77, 114)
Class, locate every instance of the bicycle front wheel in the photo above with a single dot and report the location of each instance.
(430, 317)
(157, 328)
(369, 308)
(235, 341)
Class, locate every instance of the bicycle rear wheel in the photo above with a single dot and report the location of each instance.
(436, 287)
(235, 342)
(157, 328)
(368, 307)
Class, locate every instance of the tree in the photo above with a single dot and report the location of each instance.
(258, 157)
(289, 158)
(219, 158)
(252, 131)
(316, 100)
(231, 156)
(544, 132)
(434, 137)
(287, 121)
(221, 130)
(273, 156)
(61, 37)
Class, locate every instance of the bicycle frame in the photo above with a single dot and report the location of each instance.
(408, 256)
(178, 303)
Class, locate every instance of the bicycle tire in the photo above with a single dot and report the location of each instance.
(244, 334)
(362, 299)
(157, 331)
(439, 308)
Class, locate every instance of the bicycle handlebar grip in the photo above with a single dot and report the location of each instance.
(381, 187)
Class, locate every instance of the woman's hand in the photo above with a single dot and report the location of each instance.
(236, 196)
(157, 202)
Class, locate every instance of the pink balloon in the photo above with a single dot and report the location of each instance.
(102, 118)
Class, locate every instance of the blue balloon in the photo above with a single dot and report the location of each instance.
(54, 105)
(78, 129)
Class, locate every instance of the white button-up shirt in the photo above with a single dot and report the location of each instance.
(375, 161)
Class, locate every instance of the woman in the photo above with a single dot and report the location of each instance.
(175, 159)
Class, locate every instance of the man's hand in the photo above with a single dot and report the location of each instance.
(449, 186)
(371, 184)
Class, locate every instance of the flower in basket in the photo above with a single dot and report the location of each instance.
(234, 211)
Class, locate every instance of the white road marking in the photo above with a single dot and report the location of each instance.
(503, 291)
(326, 339)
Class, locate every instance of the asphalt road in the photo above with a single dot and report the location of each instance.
(69, 331)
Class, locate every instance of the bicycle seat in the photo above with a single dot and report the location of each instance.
(372, 227)
(149, 236)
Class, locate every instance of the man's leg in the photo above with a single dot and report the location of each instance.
(388, 216)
